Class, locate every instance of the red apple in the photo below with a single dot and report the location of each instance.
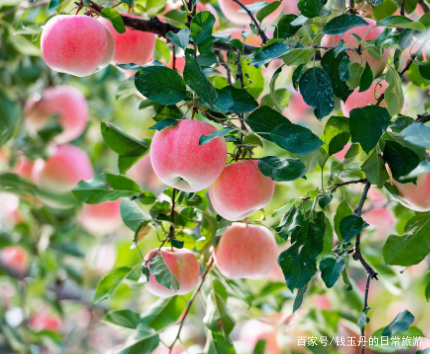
(16, 258)
(230, 10)
(101, 219)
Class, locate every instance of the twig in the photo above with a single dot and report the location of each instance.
(422, 119)
(366, 297)
(224, 64)
(261, 33)
(402, 8)
(337, 185)
(172, 215)
(173, 57)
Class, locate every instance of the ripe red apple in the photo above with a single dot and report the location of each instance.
(74, 45)
(382, 220)
(183, 264)
(9, 213)
(101, 219)
(66, 166)
(241, 190)
(254, 330)
(42, 321)
(416, 196)
(236, 33)
(133, 46)
(23, 167)
(143, 173)
(230, 10)
(246, 251)
(110, 49)
(361, 99)
(16, 258)
(65, 101)
(290, 7)
(341, 154)
(298, 110)
(180, 162)
(376, 66)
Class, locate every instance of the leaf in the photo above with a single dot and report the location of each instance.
(418, 134)
(8, 119)
(231, 99)
(374, 3)
(427, 292)
(181, 38)
(331, 63)
(317, 91)
(269, 52)
(355, 70)
(198, 82)
(424, 69)
(399, 341)
(401, 123)
(401, 323)
(292, 219)
(264, 120)
(216, 343)
(362, 318)
(296, 139)
(298, 262)
(393, 94)
(311, 8)
(367, 124)
(144, 340)
(160, 84)
(299, 298)
(105, 188)
(218, 317)
(412, 247)
(164, 312)
(342, 211)
(109, 283)
(162, 273)
(331, 269)
(132, 215)
(284, 29)
(336, 134)
(340, 24)
(366, 78)
(201, 26)
(350, 226)
(253, 7)
(281, 169)
(123, 318)
(205, 139)
(267, 10)
(374, 168)
(272, 87)
(401, 22)
(114, 17)
(164, 123)
(400, 159)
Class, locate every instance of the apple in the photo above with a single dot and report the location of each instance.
(254, 330)
(290, 7)
(342, 153)
(180, 162)
(236, 33)
(376, 66)
(241, 190)
(67, 102)
(246, 251)
(101, 219)
(15, 258)
(382, 220)
(75, 45)
(415, 196)
(42, 321)
(9, 213)
(23, 167)
(183, 264)
(230, 10)
(64, 168)
(361, 99)
(133, 46)
(298, 110)
(101, 258)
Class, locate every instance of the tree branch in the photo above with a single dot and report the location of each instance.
(337, 185)
(261, 33)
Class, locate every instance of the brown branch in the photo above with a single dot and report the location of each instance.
(422, 119)
(261, 33)
(402, 8)
(337, 185)
(224, 64)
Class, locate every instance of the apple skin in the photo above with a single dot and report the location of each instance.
(110, 49)
(183, 264)
(254, 330)
(65, 167)
(74, 45)
(16, 258)
(133, 46)
(376, 66)
(361, 99)
(241, 190)
(246, 251)
(42, 321)
(180, 162)
(143, 173)
(65, 101)
(23, 167)
(230, 10)
(9, 212)
(382, 220)
(415, 197)
(101, 219)
(298, 110)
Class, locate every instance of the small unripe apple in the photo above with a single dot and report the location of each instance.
(133, 46)
(246, 251)
(74, 45)
(183, 264)
(230, 10)
(180, 162)
(241, 190)
(362, 99)
(64, 168)
(67, 102)
(101, 219)
(14, 257)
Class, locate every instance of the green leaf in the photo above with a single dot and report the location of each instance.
(162, 273)
(132, 215)
(292, 219)
(164, 312)
(144, 340)
(424, 69)
(205, 139)
(317, 91)
(164, 123)
(366, 78)
(231, 99)
(331, 64)
(8, 119)
(418, 134)
(367, 124)
(160, 84)
(253, 7)
(198, 82)
(216, 343)
(393, 94)
(397, 342)
(264, 120)
(401, 323)
(374, 168)
(123, 318)
(336, 134)
(281, 169)
(400, 159)
(267, 10)
(311, 8)
(298, 57)
(201, 26)
(269, 52)
(272, 87)
(284, 29)
(412, 247)
(374, 3)
(401, 22)
(299, 298)
(427, 292)
(350, 226)
(105, 188)
(362, 318)
(401, 123)
(109, 283)
(355, 70)
(298, 262)
(328, 237)
(340, 24)
(331, 269)
(114, 17)
(181, 39)
(218, 317)
(296, 139)
(342, 211)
